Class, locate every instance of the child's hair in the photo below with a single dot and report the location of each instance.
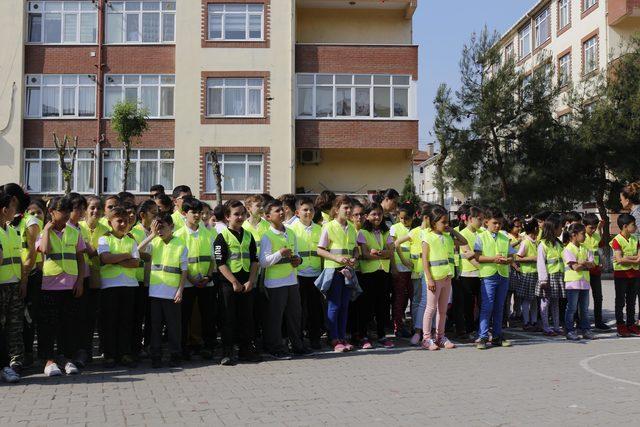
(303, 201)
(113, 197)
(511, 223)
(530, 226)
(39, 203)
(289, 201)
(572, 216)
(165, 201)
(625, 219)
(266, 197)
(15, 190)
(324, 201)
(164, 218)
(474, 212)
(125, 196)
(91, 199)
(355, 203)
(5, 199)
(591, 219)
(425, 209)
(339, 201)
(407, 208)
(205, 205)
(542, 215)
(254, 198)
(389, 193)
(119, 212)
(218, 212)
(272, 204)
(551, 224)
(368, 225)
(191, 204)
(60, 204)
(157, 188)
(632, 192)
(575, 228)
(180, 189)
(232, 204)
(77, 201)
(436, 213)
(145, 207)
(129, 206)
(493, 213)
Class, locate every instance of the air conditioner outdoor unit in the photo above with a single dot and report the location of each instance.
(309, 156)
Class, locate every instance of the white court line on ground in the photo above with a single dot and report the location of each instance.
(584, 363)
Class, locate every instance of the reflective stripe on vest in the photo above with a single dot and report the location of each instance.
(415, 249)
(341, 241)
(239, 255)
(581, 254)
(165, 262)
(308, 245)
(529, 266)
(491, 247)
(553, 254)
(123, 245)
(399, 231)
(199, 255)
(22, 231)
(629, 249)
(11, 261)
(470, 237)
(283, 267)
(440, 261)
(62, 255)
(373, 265)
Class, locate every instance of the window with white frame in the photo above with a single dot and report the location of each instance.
(241, 173)
(590, 54)
(564, 13)
(235, 97)
(62, 22)
(235, 22)
(42, 174)
(153, 92)
(138, 22)
(508, 52)
(60, 96)
(586, 4)
(148, 167)
(564, 69)
(543, 27)
(524, 41)
(336, 96)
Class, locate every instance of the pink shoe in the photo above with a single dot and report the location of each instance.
(445, 343)
(366, 344)
(338, 347)
(416, 339)
(430, 345)
(348, 346)
(386, 343)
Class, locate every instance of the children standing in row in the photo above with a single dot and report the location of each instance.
(525, 290)
(577, 263)
(550, 287)
(402, 266)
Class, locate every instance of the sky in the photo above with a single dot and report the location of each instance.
(441, 28)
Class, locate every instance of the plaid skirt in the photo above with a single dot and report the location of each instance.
(514, 278)
(556, 287)
(526, 286)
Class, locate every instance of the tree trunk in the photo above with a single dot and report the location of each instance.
(604, 215)
(127, 163)
(504, 186)
(217, 175)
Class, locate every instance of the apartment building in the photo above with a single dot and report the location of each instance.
(578, 38)
(294, 95)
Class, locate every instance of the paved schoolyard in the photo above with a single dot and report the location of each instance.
(539, 381)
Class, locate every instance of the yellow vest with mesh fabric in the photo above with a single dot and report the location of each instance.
(139, 235)
(342, 243)
(593, 243)
(239, 256)
(62, 254)
(308, 245)
(282, 268)
(440, 255)
(581, 253)
(165, 262)
(457, 259)
(531, 251)
(11, 247)
(415, 250)
(399, 231)
(22, 230)
(629, 248)
(490, 248)
(553, 254)
(258, 231)
(199, 254)
(178, 220)
(91, 237)
(373, 265)
(451, 250)
(470, 237)
(326, 218)
(123, 245)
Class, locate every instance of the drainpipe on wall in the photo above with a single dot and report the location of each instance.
(101, 5)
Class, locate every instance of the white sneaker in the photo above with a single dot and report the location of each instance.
(9, 375)
(416, 339)
(71, 369)
(52, 370)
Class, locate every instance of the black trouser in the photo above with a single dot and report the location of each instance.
(237, 314)
(283, 302)
(92, 315)
(117, 320)
(31, 304)
(312, 312)
(375, 301)
(352, 315)
(470, 287)
(165, 311)
(58, 324)
(140, 313)
(596, 291)
(205, 298)
(458, 307)
(188, 299)
(626, 292)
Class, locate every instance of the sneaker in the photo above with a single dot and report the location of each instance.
(156, 363)
(445, 343)
(280, 355)
(634, 330)
(366, 344)
(430, 345)
(500, 342)
(623, 331)
(128, 361)
(386, 343)
(549, 333)
(603, 326)
(588, 335)
(9, 375)
(348, 346)
(228, 361)
(573, 336)
(481, 343)
(16, 367)
(71, 369)
(339, 347)
(52, 370)
(175, 361)
(249, 354)
(416, 339)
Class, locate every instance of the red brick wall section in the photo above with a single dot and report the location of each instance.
(390, 134)
(60, 59)
(357, 59)
(155, 59)
(265, 151)
(618, 9)
(161, 134)
(204, 25)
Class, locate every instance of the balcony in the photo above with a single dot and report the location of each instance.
(623, 12)
(408, 6)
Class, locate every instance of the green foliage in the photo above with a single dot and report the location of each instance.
(128, 121)
(409, 192)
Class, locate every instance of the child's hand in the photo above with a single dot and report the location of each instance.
(237, 287)
(23, 289)
(351, 262)
(155, 227)
(374, 252)
(247, 287)
(407, 264)
(342, 260)
(78, 288)
(178, 298)
(545, 286)
(296, 261)
(285, 252)
(48, 226)
(431, 286)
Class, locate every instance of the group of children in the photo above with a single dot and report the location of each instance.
(278, 273)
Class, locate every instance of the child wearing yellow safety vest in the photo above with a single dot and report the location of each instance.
(525, 289)
(179, 193)
(237, 261)
(199, 284)
(550, 288)
(62, 287)
(119, 259)
(401, 267)
(470, 272)
(110, 202)
(626, 274)
(512, 305)
(438, 265)
(169, 268)
(593, 242)
(11, 294)
(577, 260)
(495, 255)
(376, 251)
(307, 237)
(279, 258)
